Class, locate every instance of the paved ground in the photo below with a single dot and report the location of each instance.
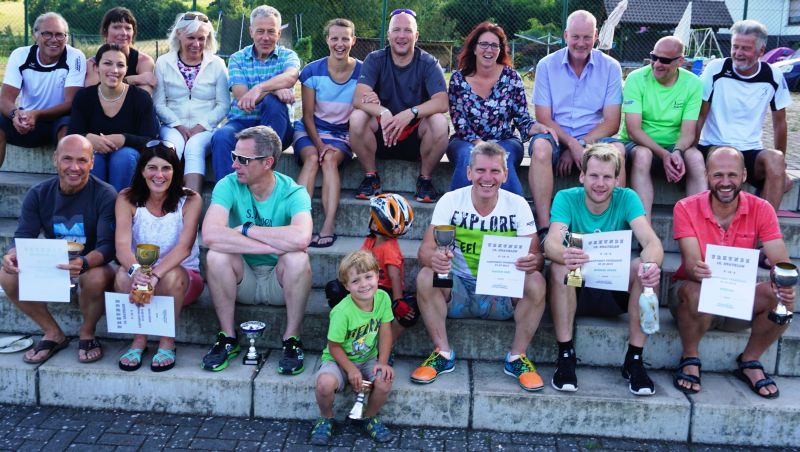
(24, 428)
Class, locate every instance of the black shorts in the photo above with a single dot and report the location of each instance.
(600, 302)
(749, 155)
(45, 133)
(407, 148)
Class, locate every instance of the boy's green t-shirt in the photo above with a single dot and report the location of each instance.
(357, 330)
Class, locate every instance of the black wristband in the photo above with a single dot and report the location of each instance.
(84, 265)
(246, 227)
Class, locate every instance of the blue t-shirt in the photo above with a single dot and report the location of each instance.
(333, 102)
(569, 207)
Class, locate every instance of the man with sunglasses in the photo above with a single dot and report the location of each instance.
(44, 77)
(257, 230)
(400, 101)
(736, 94)
(261, 79)
(661, 103)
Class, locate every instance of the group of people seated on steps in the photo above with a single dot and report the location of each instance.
(133, 136)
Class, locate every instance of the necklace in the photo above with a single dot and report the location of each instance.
(111, 101)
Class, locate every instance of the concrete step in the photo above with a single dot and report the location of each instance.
(476, 395)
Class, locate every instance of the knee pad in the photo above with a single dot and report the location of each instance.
(335, 292)
(402, 307)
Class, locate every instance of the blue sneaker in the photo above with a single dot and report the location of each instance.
(433, 366)
(322, 431)
(377, 430)
(525, 372)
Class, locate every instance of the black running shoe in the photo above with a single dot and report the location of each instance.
(640, 383)
(564, 379)
(292, 361)
(426, 192)
(370, 186)
(221, 353)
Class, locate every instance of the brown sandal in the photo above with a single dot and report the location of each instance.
(52, 348)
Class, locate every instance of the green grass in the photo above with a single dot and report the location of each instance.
(12, 14)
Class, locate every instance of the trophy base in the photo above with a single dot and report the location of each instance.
(574, 281)
(444, 283)
(780, 319)
(248, 361)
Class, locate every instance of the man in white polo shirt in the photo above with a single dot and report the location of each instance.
(45, 77)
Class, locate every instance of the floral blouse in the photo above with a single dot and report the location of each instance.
(493, 118)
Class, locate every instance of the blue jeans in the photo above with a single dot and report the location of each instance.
(116, 167)
(458, 152)
(273, 113)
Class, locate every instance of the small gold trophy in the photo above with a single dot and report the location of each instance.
(146, 256)
(572, 239)
(444, 236)
(74, 250)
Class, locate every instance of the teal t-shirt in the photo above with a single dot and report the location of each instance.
(662, 108)
(286, 200)
(569, 207)
(357, 330)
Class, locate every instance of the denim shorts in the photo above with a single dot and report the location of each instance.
(558, 148)
(465, 303)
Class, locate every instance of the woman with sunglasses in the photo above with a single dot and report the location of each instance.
(119, 27)
(322, 137)
(158, 210)
(487, 103)
(192, 95)
(115, 117)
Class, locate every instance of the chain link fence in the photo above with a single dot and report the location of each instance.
(535, 27)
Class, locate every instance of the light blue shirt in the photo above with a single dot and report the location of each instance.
(577, 102)
(245, 69)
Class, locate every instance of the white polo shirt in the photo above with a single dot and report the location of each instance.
(42, 86)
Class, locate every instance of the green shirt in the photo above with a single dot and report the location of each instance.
(569, 207)
(286, 200)
(356, 330)
(663, 108)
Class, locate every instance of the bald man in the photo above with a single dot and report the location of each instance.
(400, 101)
(661, 103)
(725, 215)
(74, 206)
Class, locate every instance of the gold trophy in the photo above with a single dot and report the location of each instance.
(146, 255)
(74, 250)
(445, 237)
(572, 239)
(783, 274)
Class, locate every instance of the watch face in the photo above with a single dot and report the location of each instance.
(415, 111)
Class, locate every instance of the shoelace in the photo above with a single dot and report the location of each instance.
(432, 359)
(529, 367)
(376, 427)
(322, 426)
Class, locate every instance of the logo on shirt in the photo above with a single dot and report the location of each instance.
(628, 102)
(678, 105)
(69, 228)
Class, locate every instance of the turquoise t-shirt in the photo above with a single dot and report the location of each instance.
(286, 200)
(569, 207)
(662, 108)
(357, 330)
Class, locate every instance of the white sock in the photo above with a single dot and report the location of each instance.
(511, 358)
(447, 355)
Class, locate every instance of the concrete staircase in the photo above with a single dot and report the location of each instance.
(476, 395)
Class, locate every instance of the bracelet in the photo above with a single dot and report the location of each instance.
(84, 265)
(677, 150)
(382, 112)
(246, 227)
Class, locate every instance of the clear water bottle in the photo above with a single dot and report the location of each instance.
(648, 308)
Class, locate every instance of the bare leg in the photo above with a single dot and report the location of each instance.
(331, 188)
(362, 139)
(432, 303)
(695, 171)
(228, 272)
(763, 334)
(528, 312)
(294, 275)
(771, 168)
(325, 393)
(540, 179)
(194, 181)
(637, 337)
(93, 285)
(692, 326)
(621, 149)
(641, 181)
(173, 284)
(122, 284)
(308, 173)
(562, 302)
(433, 132)
(377, 396)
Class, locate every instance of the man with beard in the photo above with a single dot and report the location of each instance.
(736, 94)
(400, 101)
(727, 216)
(599, 205)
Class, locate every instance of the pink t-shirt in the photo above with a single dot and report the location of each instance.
(755, 220)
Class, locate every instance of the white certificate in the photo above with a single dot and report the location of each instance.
(731, 289)
(39, 278)
(497, 271)
(609, 265)
(156, 318)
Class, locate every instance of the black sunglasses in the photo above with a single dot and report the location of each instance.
(663, 60)
(195, 16)
(165, 143)
(244, 160)
(410, 12)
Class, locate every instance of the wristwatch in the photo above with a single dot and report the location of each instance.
(415, 112)
(132, 269)
(84, 264)
(582, 142)
(13, 113)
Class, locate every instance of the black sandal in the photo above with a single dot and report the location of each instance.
(679, 374)
(755, 387)
(90, 344)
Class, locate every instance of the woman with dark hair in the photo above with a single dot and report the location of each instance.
(119, 27)
(158, 210)
(487, 102)
(115, 117)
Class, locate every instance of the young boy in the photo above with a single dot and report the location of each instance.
(359, 343)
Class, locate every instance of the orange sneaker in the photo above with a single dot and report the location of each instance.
(525, 372)
(434, 365)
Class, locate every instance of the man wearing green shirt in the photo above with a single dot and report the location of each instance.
(661, 103)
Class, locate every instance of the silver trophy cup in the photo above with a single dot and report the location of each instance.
(783, 274)
(252, 330)
(445, 237)
(358, 408)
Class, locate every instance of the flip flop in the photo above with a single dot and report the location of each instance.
(162, 355)
(755, 387)
(52, 348)
(87, 345)
(316, 244)
(680, 375)
(133, 354)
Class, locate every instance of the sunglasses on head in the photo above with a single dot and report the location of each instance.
(410, 12)
(165, 143)
(663, 60)
(195, 16)
(244, 160)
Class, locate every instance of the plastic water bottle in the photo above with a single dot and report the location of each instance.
(648, 308)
